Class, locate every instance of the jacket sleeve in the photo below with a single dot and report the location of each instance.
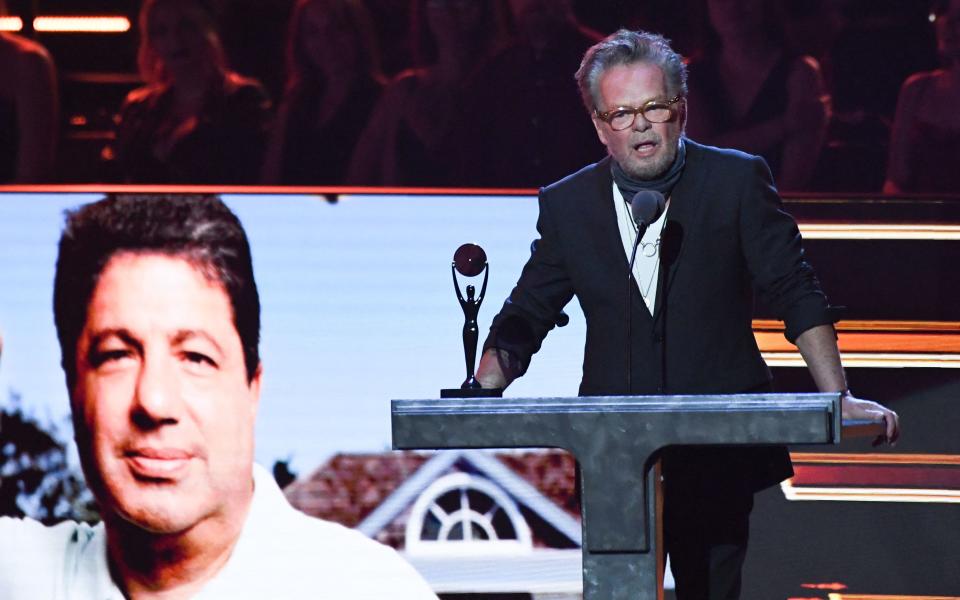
(542, 291)
(773, 249)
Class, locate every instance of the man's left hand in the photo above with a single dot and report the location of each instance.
(856, 408)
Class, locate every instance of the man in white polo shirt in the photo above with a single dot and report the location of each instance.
(158, 317)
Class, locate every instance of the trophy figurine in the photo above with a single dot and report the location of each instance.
(470, 260)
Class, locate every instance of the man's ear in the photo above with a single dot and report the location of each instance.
(601, 131)
(255, 383)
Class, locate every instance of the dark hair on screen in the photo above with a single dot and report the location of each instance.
(197, 228)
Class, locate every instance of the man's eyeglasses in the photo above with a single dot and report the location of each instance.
(622, 117)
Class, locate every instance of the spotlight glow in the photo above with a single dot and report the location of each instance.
(11, 24)
(85, 24)
(879, 231)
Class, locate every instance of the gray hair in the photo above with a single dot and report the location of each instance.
(626, 47)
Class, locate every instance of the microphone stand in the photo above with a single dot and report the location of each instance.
(641, 230)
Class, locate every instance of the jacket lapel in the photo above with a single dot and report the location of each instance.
(684, 204)
(603, 221)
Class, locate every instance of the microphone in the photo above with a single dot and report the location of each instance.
(645, 208)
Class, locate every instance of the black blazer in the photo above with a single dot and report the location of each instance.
(725, 236)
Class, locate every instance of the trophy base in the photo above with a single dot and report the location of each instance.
(472, 393)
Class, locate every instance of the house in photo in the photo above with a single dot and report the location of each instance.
(477, 524)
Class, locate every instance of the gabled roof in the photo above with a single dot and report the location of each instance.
(370, 491)
(349, 487)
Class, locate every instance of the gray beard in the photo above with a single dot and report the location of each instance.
(647, 172)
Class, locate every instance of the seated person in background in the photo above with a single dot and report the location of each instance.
(925, 145)
(195, 121)
(334, 81)
(409, 139)
(28, 110)
(158, 316)
(749, 93)
(524, 120)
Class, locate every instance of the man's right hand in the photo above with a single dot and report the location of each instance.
(497, 369)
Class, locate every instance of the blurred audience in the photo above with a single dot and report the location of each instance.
(265, 20)
(525, 118)
(196, 121)
(748, 91)
(925, 144)
(391, 23)
(881, 43)
(29, 114)
(480, 91)
(334, 82)
(410, 138)
(811, 27)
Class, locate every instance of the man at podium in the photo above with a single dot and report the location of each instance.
(679, 321)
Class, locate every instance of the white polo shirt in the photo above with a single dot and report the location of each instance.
(281, 553)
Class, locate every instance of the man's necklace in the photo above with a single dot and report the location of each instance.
(653, 277)
(648, 250)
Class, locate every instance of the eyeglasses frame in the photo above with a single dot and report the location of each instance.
(639, 110)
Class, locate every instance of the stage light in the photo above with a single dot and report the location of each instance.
(847, 494)
(11, 24)
(887, 597)
(871, 361)
(824, 586)
(858, 478)
(850, 458)
(879, 231)
(84, 24)
(872, 344)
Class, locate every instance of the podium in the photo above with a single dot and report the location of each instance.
(615, 441)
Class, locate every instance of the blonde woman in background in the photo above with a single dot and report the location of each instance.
(195, 120)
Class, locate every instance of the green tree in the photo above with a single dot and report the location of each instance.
(282, 473)
(35, 478)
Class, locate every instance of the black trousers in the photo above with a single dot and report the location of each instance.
(705, 531)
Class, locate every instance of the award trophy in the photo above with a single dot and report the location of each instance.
(470, 260)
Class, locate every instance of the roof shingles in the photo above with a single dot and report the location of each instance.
(350, 486)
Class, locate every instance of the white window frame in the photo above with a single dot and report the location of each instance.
(426, 503)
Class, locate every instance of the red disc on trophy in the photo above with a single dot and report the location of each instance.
(470, 259)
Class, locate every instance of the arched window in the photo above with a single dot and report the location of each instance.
(465, 513)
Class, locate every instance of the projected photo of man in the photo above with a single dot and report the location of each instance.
(158, 317)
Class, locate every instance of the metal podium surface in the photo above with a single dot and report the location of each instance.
(614, 440)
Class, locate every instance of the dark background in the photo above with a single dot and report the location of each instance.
(866, 49)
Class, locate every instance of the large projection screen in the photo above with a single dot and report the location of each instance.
(358, 308)
(357, 300)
